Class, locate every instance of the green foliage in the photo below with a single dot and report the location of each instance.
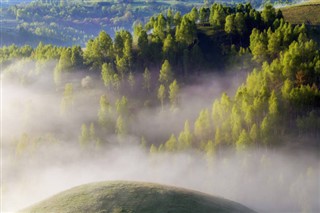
(166, 74)
(107, 74)
(99, 50)
(243, 142)
(68, 98)
(146, 79)
(121, 126)
(186, 31)
(104, 111)
(171, 145)
(173, 94)
(162, 94)
(185, 138)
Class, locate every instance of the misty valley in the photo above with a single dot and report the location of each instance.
(198, 103)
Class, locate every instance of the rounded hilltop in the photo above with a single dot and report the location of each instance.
(125, 196)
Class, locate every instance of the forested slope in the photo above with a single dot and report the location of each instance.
(279, 97)
(132, 88)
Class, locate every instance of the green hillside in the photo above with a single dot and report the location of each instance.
(308, 13)
(123, 196)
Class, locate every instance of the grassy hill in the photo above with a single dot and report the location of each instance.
(308, 13)
(123, 196)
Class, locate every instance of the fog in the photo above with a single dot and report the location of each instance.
(281, 180)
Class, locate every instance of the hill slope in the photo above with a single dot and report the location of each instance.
(307, 13)
(123, 196)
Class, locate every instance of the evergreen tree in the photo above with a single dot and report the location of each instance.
(107, 74)
(185, 137)
(162, 94)
(146, 79)
(171, 144)
(173, 94)
(166, 74)
(131, 80)
(104, 111)
(68, 98)
(84, 137)
(121, 127)
(243, 141)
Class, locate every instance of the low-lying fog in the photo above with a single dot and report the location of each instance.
(283, 180)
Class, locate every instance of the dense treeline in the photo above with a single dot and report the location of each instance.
(97, 93)
(68, 23)
(280, 96)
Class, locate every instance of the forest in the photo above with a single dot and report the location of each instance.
(73, 22)
(223, 85)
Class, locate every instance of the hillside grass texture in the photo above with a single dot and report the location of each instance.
(308, 13)
(124, 196)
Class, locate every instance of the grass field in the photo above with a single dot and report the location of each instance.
(123, 196)
(308, 13)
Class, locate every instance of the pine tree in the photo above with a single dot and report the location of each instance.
(185, 137)
(131, 80)
(162, 94)
(107, 74)
(104, 111)
(171, 144)
(68, 98)
(173, 94)
(121, 128)
(166, 74)
(146, 79)
(243, 141)
(84, 137)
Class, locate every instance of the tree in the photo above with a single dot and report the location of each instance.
(64, 64)
(146, 79)
(92, 132)
(107, 73)
(121, 128)
(76, 56)
(104, 111)
(131, 80)
(230, 26)
(173, 94)
(67, 99)
(122, 66)
(194, 15)
(84, 137)
(186, 32)
(177, 18)
(274, 45)
(122, 106)
(185, 137)
(162, 94)
(254, 133)
(202, 126)
(99, 50)
(273, 105)
(217, 16)
(243, 141)
(137, 29)
(240, 23)
(204, 15)
(266, 130)
(166, 74)
(268, 14)
(168, 48)
(171, 144)
(143, 45)
(159, 27)
(153, 149)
